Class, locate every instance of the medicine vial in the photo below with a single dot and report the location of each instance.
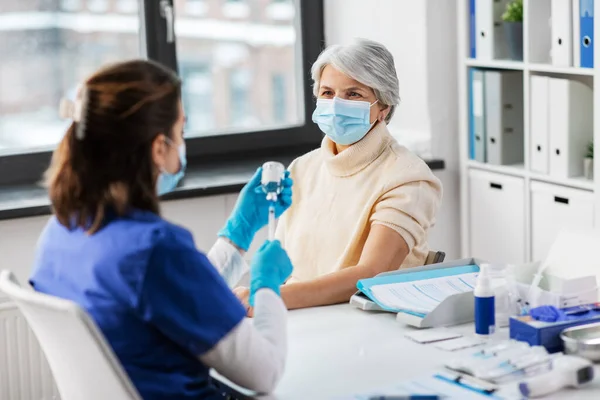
(273, 173)
(485, 310)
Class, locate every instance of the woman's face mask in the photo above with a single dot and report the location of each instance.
(345, 122)
(167, 181)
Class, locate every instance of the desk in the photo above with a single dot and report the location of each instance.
(340, 350)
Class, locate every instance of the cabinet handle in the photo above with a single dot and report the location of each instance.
(495, 186)
(562, 200)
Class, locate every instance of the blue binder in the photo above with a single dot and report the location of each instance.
(586, 43)
(472, 33)
(455, 309)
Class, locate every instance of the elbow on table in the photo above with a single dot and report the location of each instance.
(268, 379)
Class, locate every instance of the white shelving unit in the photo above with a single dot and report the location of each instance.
(531, 66)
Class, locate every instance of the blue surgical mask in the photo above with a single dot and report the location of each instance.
(168, 181)
(344, 121)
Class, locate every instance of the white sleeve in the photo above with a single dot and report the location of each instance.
(253, 354)
(228, 261)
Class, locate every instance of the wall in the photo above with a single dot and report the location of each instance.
(203, 216)
(422, 37)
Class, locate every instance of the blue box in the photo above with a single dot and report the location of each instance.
(547, 334)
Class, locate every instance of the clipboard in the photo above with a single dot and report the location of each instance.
(455, 309)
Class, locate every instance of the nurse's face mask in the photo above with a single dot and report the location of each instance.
(167, 181)
(344, 121)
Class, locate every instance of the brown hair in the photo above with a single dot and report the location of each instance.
(104, 162)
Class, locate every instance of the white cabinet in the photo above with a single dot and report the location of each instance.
(497, 217)
(553, 208)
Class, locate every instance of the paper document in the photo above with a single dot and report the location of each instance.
(425, 295)
(427, 385)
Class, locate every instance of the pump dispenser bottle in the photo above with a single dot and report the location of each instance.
(485, 318)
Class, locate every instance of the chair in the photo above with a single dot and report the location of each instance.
(83, 364)
(435, 257)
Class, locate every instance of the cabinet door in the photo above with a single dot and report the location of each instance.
(497, 217)
(554, 208)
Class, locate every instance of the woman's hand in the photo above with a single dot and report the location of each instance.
(251, 212)
(243, 294)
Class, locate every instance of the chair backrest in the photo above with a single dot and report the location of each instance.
(435, 257)
(83, 364)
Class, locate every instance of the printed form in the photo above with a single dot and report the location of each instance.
(425, 295)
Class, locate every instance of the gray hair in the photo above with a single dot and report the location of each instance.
(367, 62)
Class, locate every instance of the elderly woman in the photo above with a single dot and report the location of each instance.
(362, 203)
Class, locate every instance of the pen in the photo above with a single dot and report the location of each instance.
(407, 397)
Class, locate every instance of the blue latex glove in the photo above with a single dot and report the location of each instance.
(251, 212)
(547, 314)
(270, 268)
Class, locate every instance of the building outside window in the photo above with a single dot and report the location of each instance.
(241, 74)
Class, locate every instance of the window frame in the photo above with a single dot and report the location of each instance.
(27, 167)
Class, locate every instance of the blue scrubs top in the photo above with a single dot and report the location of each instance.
(159, 301)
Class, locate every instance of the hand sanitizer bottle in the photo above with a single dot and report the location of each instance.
(485, 318)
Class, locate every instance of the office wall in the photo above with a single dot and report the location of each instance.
(422, 37)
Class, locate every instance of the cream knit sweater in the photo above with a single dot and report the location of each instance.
(337, 198)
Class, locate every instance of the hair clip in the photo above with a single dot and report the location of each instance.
(75, 110)
(66, 109)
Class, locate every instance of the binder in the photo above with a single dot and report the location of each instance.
(586, 24)
(472, 29)
(562, 42)
(504, 117)
(570, 126)
(576, 29)
(490, 43)
(539, 151)
(454, 310)
(478, 112)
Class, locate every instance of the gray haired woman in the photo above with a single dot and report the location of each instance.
(362, 203)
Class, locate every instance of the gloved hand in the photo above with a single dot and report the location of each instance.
(251, 212)
(270, 268)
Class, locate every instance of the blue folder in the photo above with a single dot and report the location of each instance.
(472, 39)
(365, 285)
(586, 42)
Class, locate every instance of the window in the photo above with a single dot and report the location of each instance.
(245, 70)
(197, 97)
(243, 55)
(45, 54)
(279, 98)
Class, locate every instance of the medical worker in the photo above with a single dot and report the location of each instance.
(167, 312)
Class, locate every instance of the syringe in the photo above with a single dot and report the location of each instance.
(272, 175)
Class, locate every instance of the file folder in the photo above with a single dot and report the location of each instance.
(490, 43)
(472, 30)
(478, 112)
(562, 42)
(586, 25)
(576, 32)
(504, 117)
(570, 126)
(539, 151)
(454, 310)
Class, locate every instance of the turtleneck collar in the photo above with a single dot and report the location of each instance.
(358, 156)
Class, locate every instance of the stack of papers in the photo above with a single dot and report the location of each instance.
(421, 296)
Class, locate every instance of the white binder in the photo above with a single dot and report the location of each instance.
(562, 35)
(479, 115)
(576, 30)
(490, 43)
(504, 117)
(571, 125)
(539, 150)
